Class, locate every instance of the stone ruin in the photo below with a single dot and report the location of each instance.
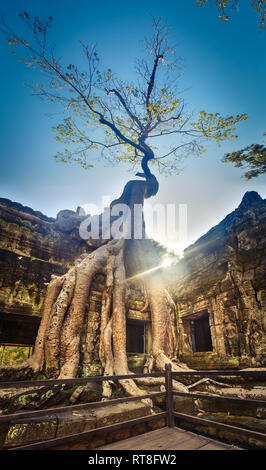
(219, 286)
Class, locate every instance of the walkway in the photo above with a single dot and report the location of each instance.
(168, 439)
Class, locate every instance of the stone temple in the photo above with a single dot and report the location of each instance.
(219, 286)
(220, 290)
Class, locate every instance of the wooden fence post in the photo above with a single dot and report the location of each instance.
(169, 395)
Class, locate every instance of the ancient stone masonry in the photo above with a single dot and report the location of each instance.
(214, 299)
(138, 328)
(218, 287)
(220, 290)
(90, 337)
(32, 248)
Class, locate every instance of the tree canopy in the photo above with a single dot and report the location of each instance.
(225, 6)
(252, 157)
(123, 120)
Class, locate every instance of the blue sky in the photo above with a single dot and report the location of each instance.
(224, 71)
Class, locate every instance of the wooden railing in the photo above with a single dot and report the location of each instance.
(182, 418)
(172, 417)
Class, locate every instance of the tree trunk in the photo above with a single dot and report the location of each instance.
(66, 339)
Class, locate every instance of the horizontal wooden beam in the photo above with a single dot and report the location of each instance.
(242, 401)
(221, 373)
(80, 380)
(221, 426)
(82, 406)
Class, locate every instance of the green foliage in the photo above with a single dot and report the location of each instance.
(252, 157)
(10, 355)
(118, 393)
(226, 5)
(123, 121)
(72, 389)
(217, 127)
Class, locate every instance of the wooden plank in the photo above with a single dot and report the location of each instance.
(82, 406)
(180, 440)
(226, 427)
(141, 441)
(79, 380)
(191, 443)
(151, 440)
(162, 442)
(217, 446)
(221, 373)
(36, 383)
(167, 439)
(169, 395)
(203, 395)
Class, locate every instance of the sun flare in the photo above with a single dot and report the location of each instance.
(167, 261)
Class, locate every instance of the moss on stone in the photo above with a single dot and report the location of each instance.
(136, 362)
(209, 360)
(93, 370)
(23, 294)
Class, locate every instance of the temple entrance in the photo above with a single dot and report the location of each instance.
(135, 337)
(201, 334)
(18, 329)
(17, 337)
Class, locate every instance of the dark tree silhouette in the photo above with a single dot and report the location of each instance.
(253, 158)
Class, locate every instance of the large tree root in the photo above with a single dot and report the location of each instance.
(65, 341)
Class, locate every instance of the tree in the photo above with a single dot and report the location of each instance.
(125, 121)
(253, 157)
(129, 118)
(224, 6)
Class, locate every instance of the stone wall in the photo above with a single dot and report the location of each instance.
(26, 431)
(32, 248)
(222, 278)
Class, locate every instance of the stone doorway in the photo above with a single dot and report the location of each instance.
(201, 334)
(135, 337)
(17, 329)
